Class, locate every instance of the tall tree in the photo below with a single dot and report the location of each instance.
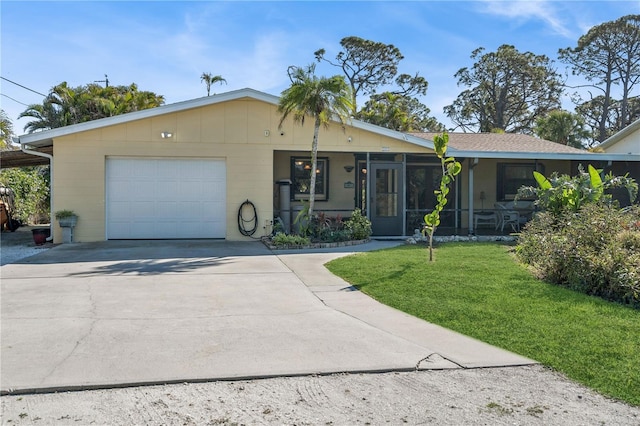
(65, 105)
(508, 90)
(399, 112)
(562, 127)
(210, 79)
(6, 130)
(368, 65)
(320, 98)
(607, 56)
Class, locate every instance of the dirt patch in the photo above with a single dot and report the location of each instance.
(530, 395)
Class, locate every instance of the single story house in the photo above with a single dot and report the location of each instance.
(184, 171)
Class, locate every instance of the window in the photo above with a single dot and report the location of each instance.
(301, 178)
(511, 176)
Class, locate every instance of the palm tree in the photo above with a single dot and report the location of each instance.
(66, 105)
(322, 99)
(46, 116)
(562, 127)
(211, 79)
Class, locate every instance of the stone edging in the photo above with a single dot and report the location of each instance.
(459, 238)
(315, 245)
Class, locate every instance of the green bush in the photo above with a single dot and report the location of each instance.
(359, 226)
(284, 240)
(335, 236)
(31, 188)
(595, 250)
(560, 193)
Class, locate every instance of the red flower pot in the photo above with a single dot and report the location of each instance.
(40, 235)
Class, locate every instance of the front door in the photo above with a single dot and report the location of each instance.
(386, 201)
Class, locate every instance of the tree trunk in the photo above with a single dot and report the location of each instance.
(314, 166)
(602, 127)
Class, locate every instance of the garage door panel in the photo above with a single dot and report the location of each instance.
(165, 198)
(142, 168)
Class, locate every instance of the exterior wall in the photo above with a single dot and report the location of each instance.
(486, 176)
(244, 132)
(485, 179)
(630, 144)
(340, 198)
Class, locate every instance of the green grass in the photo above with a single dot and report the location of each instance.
(480, 290)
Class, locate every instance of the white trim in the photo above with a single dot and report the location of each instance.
(45, 138)
(545, 155)
(612, 140)
(405, 137)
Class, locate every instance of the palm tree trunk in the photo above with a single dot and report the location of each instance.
(314, 166)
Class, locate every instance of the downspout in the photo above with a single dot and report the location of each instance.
(24, 148)
(470, 194)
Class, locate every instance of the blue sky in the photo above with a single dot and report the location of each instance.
(165, 46)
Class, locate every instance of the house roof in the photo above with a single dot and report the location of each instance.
(477, 145)
(46, 137)
(516, 146)
(631, 128)
(505, 142)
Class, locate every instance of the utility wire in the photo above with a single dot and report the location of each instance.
(24, 87)
(15, 100)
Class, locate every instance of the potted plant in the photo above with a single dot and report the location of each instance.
(66, 218)
(40, 235)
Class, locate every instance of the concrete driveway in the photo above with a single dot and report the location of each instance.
(115, 313)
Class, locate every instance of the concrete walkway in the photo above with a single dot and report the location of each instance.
(115, 313)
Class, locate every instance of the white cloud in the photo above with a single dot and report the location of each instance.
(525, 10)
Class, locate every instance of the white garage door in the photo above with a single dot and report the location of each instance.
(150, 198)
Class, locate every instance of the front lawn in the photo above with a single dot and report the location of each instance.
(480, 290)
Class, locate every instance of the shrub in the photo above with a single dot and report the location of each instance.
(337, 236)
(31, 188)
(595, 250)
(560, 193)
(64, 214)
(284, 240)
(358, 226)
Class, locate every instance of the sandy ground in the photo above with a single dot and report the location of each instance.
(530, 395)
(498, 396)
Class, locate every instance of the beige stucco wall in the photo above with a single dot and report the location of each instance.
(243, 132)
(340, 198)
(627, 145)
(485, 175)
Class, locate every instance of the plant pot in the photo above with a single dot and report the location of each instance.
(40, 235)
(68, 222)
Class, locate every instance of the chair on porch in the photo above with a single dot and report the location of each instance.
(507, 217)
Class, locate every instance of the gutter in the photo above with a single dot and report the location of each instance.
(25, 148)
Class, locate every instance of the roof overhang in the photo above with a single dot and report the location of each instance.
(586, 156)
(46, 137)
(424, 143)
(620, 135)
(17, 158)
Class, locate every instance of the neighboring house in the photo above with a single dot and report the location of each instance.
(184, 170)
